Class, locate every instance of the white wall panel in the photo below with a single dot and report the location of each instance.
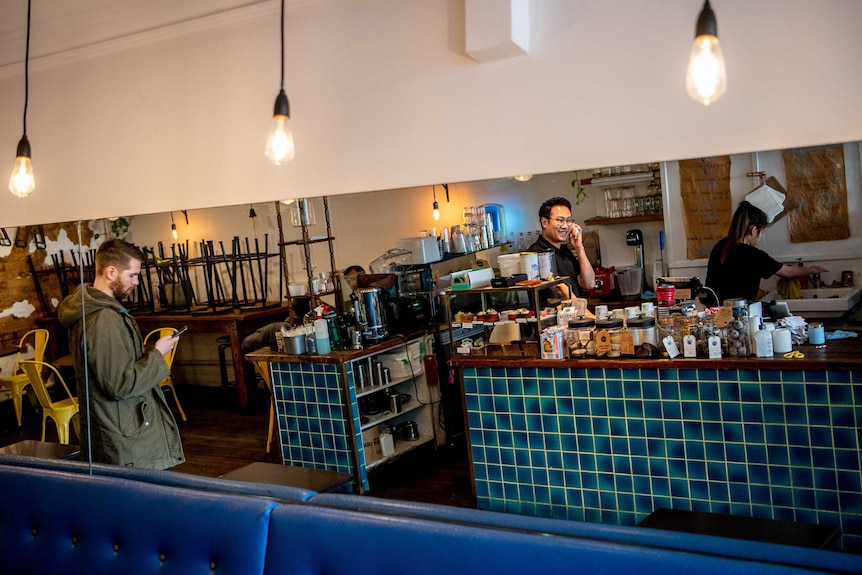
(383, 96)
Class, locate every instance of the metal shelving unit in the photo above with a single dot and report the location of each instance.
(305, 242)
(484, 294)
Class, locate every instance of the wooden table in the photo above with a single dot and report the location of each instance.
(43, 449)
(9, 350)
(237, 323)
(743, 527)
(319, 480)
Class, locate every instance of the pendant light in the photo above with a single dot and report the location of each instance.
(435, 205)
(279, 145)
(173, 227)
(22, 182)
(706, 79)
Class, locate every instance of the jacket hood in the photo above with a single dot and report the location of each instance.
(72, 309)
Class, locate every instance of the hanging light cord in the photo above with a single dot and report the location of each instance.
(282, 44)
(84, 360)
(27, 69)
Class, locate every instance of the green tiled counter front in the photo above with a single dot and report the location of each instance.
(312, 421)
(611, 445)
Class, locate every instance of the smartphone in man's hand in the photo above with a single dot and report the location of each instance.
(181, 331)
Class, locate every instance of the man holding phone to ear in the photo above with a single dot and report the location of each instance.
(128, 420)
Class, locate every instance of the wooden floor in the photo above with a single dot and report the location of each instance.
(218, 439)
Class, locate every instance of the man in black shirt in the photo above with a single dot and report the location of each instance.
(564, 237)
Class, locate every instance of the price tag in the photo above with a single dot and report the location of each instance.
(627, 343)
(531, 319)
(714, 347)
(454, 324)
(603, 342)
(521, 320)
(670, 346)
(689, 346)
(723, 316)
(467, 325)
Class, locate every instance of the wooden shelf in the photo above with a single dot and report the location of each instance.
(602, 221)
(622, 179)
(302, 242)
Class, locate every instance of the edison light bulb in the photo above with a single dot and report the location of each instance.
(436, 211)
(174, 230)
(706, 80)
(279, 146)
(22, 183)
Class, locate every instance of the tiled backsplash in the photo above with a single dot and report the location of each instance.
(613, 445)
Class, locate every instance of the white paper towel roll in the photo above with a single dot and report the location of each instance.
(480, 278)
(781, 340)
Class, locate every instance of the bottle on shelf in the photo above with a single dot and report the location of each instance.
(321, 333)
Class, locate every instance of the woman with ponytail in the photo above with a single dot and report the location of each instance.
(736, 264)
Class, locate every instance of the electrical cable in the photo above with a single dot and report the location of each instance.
(83, 289)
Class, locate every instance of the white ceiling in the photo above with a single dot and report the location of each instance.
(61, 25)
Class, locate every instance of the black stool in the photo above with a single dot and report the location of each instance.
(223, 344)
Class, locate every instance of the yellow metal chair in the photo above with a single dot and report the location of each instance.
(62, 411)
(168, 382)
(262, 367)
(17, 380)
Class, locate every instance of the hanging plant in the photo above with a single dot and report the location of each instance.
(581, 194)
(119, 228)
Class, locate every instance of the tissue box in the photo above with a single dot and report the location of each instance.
(423, 250)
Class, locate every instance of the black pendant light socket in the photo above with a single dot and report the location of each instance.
(282, 106)
(706, 23)
(23, 148)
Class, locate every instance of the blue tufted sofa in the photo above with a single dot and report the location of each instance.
(63, 517)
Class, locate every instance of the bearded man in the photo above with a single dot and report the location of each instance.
(125, 419)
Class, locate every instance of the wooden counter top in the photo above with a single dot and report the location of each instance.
(838, 354)
(336, 356)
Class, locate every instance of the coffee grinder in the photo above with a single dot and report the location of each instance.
(636, 238)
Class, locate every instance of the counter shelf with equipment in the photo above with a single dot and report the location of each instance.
(405, 398)
(330, 408)
(486, 294)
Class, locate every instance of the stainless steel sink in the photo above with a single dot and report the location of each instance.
(823, 302)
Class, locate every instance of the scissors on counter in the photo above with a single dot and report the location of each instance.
(794, 355)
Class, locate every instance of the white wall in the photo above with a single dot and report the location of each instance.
(383, 97)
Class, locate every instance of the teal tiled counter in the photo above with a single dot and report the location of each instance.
(317, 405)
(611, 445)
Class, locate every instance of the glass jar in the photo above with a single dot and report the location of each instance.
(609, 337)
(735, 338)
(706, 328)
(580, 337)
(644, 337)
(670, 325)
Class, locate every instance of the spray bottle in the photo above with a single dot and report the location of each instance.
(321, 332)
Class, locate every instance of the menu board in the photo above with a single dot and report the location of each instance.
(817, 188)
(706, 202)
